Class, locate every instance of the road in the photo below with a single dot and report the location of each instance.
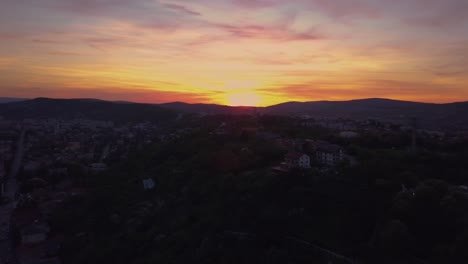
(6, 209)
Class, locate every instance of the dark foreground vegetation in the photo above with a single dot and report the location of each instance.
(216, 200)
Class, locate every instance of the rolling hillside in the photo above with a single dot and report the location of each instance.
(452, 116)
(208, 108)
(9, 100)
(84, 108)
(446, 116)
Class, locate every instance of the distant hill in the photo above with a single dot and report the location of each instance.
(84, 108)
(452, 116)
(433, 116)
(208, 108)
(9, 100)
(448, 116)
(363, 108)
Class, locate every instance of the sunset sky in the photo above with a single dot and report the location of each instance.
(237, 52)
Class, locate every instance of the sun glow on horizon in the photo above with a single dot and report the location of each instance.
(244, 99)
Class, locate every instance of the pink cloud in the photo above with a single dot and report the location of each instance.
(371, 88)
(182, 9)
(268, 32)
(257, 3)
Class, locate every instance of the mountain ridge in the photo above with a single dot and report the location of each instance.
(450, 116)
(380, 99)
(11, 99)
(84, 108)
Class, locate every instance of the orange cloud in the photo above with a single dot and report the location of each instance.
(207, 51)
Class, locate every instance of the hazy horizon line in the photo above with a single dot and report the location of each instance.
(195, 103)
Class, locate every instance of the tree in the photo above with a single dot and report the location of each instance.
(394, 240)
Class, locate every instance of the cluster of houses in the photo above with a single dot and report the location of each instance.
(93, 144)
(51, 148)
(8, 137)
(300, 153)
(312, 153)
(335, 124)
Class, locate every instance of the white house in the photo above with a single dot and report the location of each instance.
(297, 160)
(328, 154)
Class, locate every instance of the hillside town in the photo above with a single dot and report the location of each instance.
(45, 163)
(50, 159)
